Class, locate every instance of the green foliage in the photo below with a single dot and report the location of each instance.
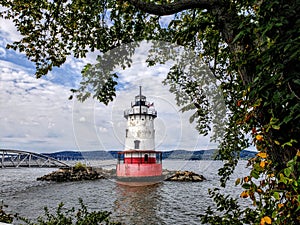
(227, 211)
(274, 196)
(4, 217)
(252, 48)
(71, 216)
(79, 166)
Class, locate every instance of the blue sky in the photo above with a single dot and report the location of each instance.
(36, 115)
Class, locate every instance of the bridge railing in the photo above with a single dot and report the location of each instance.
(17, 158)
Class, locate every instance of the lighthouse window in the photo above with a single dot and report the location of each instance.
(136, 144)
(146, 157)
(126, 132)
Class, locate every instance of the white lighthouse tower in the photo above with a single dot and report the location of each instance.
(140, 133)
(139, 163)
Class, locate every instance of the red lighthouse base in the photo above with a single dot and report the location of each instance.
(138, 168)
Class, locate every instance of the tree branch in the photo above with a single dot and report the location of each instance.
(172, 8)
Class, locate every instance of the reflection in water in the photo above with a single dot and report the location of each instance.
(138, 205)
(164, 203)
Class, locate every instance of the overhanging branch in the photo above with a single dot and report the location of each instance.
(172, 8)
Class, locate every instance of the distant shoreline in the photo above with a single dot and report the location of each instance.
(173, 154)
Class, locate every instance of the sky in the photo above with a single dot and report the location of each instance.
(36, 114)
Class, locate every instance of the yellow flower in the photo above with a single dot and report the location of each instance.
(262, 155)
(259, 137)
(265, 220)
(262, 164)
(244, 194)
(280, 205)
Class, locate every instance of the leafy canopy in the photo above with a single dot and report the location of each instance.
(252, 48)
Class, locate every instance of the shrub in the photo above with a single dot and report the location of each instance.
(4, 217)
(79, 166)
(71, 216)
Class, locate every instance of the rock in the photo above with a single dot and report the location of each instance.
(186, 176)
(89, 173)
(71, 174)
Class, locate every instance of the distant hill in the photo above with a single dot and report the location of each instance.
(88, 155)
(173, 154)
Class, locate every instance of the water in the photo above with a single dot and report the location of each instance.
(163, 203)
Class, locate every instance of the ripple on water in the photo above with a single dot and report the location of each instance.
(164, 203)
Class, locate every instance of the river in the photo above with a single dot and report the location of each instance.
(163, 203)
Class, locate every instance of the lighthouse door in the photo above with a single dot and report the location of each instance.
(136, 144)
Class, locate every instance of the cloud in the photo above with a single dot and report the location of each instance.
(8, 29)
(28, 110)
(165, 20)
(36, 114)
(82, 119)
(173, 130)
(2, 52)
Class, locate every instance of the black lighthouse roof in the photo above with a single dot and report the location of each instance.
(140, 99)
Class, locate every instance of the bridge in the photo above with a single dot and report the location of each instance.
(16, 158)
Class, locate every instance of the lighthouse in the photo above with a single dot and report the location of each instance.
(139, 163)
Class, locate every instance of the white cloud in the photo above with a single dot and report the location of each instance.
(8, 30)
(2, 52)
(165, 20)
(37, 115)
(173, 130)
(103, 129)
(82, 119)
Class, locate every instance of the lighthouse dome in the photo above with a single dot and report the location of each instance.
(141, 107)
(140, 100)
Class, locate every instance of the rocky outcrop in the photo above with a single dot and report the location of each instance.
(186, 176)
(107, 173)
(89, 173)
(72, 174)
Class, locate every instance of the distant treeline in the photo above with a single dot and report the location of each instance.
(173, 154)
